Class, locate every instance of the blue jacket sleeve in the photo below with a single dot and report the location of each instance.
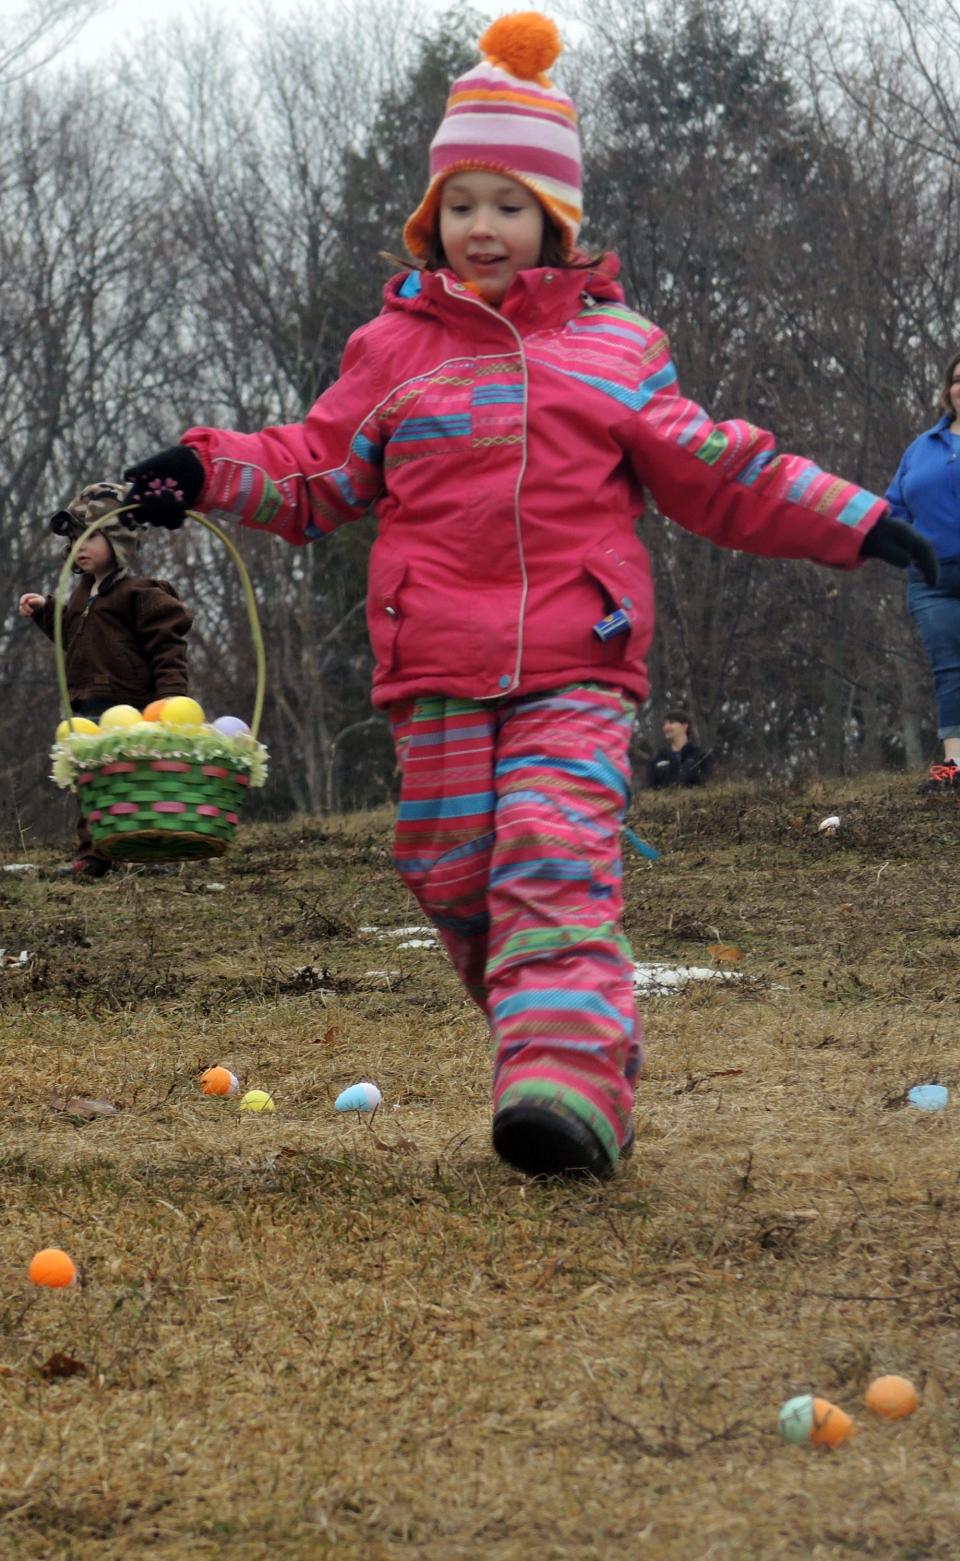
(894, 494)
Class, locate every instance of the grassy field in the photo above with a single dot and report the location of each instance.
(308, 1335)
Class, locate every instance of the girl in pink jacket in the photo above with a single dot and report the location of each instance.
(502, 416)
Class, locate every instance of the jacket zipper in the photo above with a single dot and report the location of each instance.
(466, 297)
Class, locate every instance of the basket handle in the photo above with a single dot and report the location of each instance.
(63, 584)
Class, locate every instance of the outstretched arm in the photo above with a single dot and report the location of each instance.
(728, 481)
(300, 480)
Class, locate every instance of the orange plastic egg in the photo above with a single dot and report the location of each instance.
(831, 1426)
(154, 710)
(219, 1081)
(892, 1397)
(52, 1268)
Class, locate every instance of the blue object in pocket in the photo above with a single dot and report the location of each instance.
(614, 623)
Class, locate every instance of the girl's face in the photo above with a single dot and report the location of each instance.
(491, 227)
(96, 556)
(955, 393)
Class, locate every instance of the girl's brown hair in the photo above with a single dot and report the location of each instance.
(946, 405)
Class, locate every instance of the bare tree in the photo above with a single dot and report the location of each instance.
(39, 33)
(899, 63)
(82, 345)
(269, 197)
(797, 254)
(191, 239)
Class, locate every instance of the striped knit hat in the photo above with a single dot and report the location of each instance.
(506, 116)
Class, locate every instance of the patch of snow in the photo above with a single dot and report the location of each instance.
(398, 932)
(659, 979)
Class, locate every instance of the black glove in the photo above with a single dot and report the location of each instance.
(898, 543)
(164, 487)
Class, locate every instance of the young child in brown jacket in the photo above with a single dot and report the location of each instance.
(124, 634)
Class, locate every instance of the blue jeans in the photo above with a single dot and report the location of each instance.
(936, 613)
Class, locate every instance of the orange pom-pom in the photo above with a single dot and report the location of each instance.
(526, 43)
(53, 1269)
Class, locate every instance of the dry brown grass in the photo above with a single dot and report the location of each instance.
(301, 1341)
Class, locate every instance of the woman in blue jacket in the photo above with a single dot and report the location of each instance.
(926, 492)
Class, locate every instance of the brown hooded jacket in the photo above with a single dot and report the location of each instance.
(125, 642)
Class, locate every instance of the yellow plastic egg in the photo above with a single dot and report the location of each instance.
(182, 711)
(118, 717)
(257, 1100)
(77, 725)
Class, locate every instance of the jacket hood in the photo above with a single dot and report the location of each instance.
(429, 292)
(96, 499)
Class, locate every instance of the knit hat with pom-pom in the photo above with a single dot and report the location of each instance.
(506, 116)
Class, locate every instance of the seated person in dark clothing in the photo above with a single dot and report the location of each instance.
(679, 762)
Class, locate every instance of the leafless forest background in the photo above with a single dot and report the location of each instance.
(189, 236)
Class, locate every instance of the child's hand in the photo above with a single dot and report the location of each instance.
(164, 487)
(30, 603)
(898, 543)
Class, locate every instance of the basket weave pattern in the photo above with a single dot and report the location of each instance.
(173, 793)
(142, 809)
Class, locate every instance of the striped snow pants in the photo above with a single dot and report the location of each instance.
(508, 834)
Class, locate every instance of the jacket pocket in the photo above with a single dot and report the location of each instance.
(621, 572)
(384, 603)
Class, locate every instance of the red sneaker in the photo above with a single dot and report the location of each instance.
(86, 869)
(943, 777)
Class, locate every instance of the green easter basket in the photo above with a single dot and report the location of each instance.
(158, 793)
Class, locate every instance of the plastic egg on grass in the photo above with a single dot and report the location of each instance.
(119, 717)
(359, 1097)
(154, 710)
(892, 1397)
(182, 711)
(796, 1418)
(77, 726)
(832, 1426)
(231, 726)
(53, 1269)
(257, 1100)
(928, 1097)
(220, 1081)
(815, 1421)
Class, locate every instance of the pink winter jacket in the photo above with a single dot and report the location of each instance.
(505, 453)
